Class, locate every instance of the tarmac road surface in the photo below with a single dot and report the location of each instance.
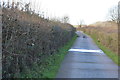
(86, 60)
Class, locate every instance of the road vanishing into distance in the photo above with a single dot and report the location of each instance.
(86, 60)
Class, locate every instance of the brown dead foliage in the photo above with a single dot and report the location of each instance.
(28, 39)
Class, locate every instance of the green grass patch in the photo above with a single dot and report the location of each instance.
(107, 51)
(56, 59)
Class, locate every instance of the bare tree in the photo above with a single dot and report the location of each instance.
(119, 12)
(8, 4)
(27, 7)
(113, 14)
(80, 23)
(13, 3)
(65, 19)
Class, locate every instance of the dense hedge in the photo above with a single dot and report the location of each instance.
(28, 39)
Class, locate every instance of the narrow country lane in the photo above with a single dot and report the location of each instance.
(86, 60)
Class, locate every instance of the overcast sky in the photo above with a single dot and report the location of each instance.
(88, 10)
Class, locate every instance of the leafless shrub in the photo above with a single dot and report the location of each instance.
(28, 39)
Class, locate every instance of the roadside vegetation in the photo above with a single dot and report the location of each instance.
(53, 63)
(105, 34)
(56, 60)
(30, 42)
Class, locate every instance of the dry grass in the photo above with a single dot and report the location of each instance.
(106, 33)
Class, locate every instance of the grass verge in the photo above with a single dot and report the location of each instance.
(51, 64)
(56, 59)
(107, 51)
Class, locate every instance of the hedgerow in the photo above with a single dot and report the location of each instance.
(29, 39)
